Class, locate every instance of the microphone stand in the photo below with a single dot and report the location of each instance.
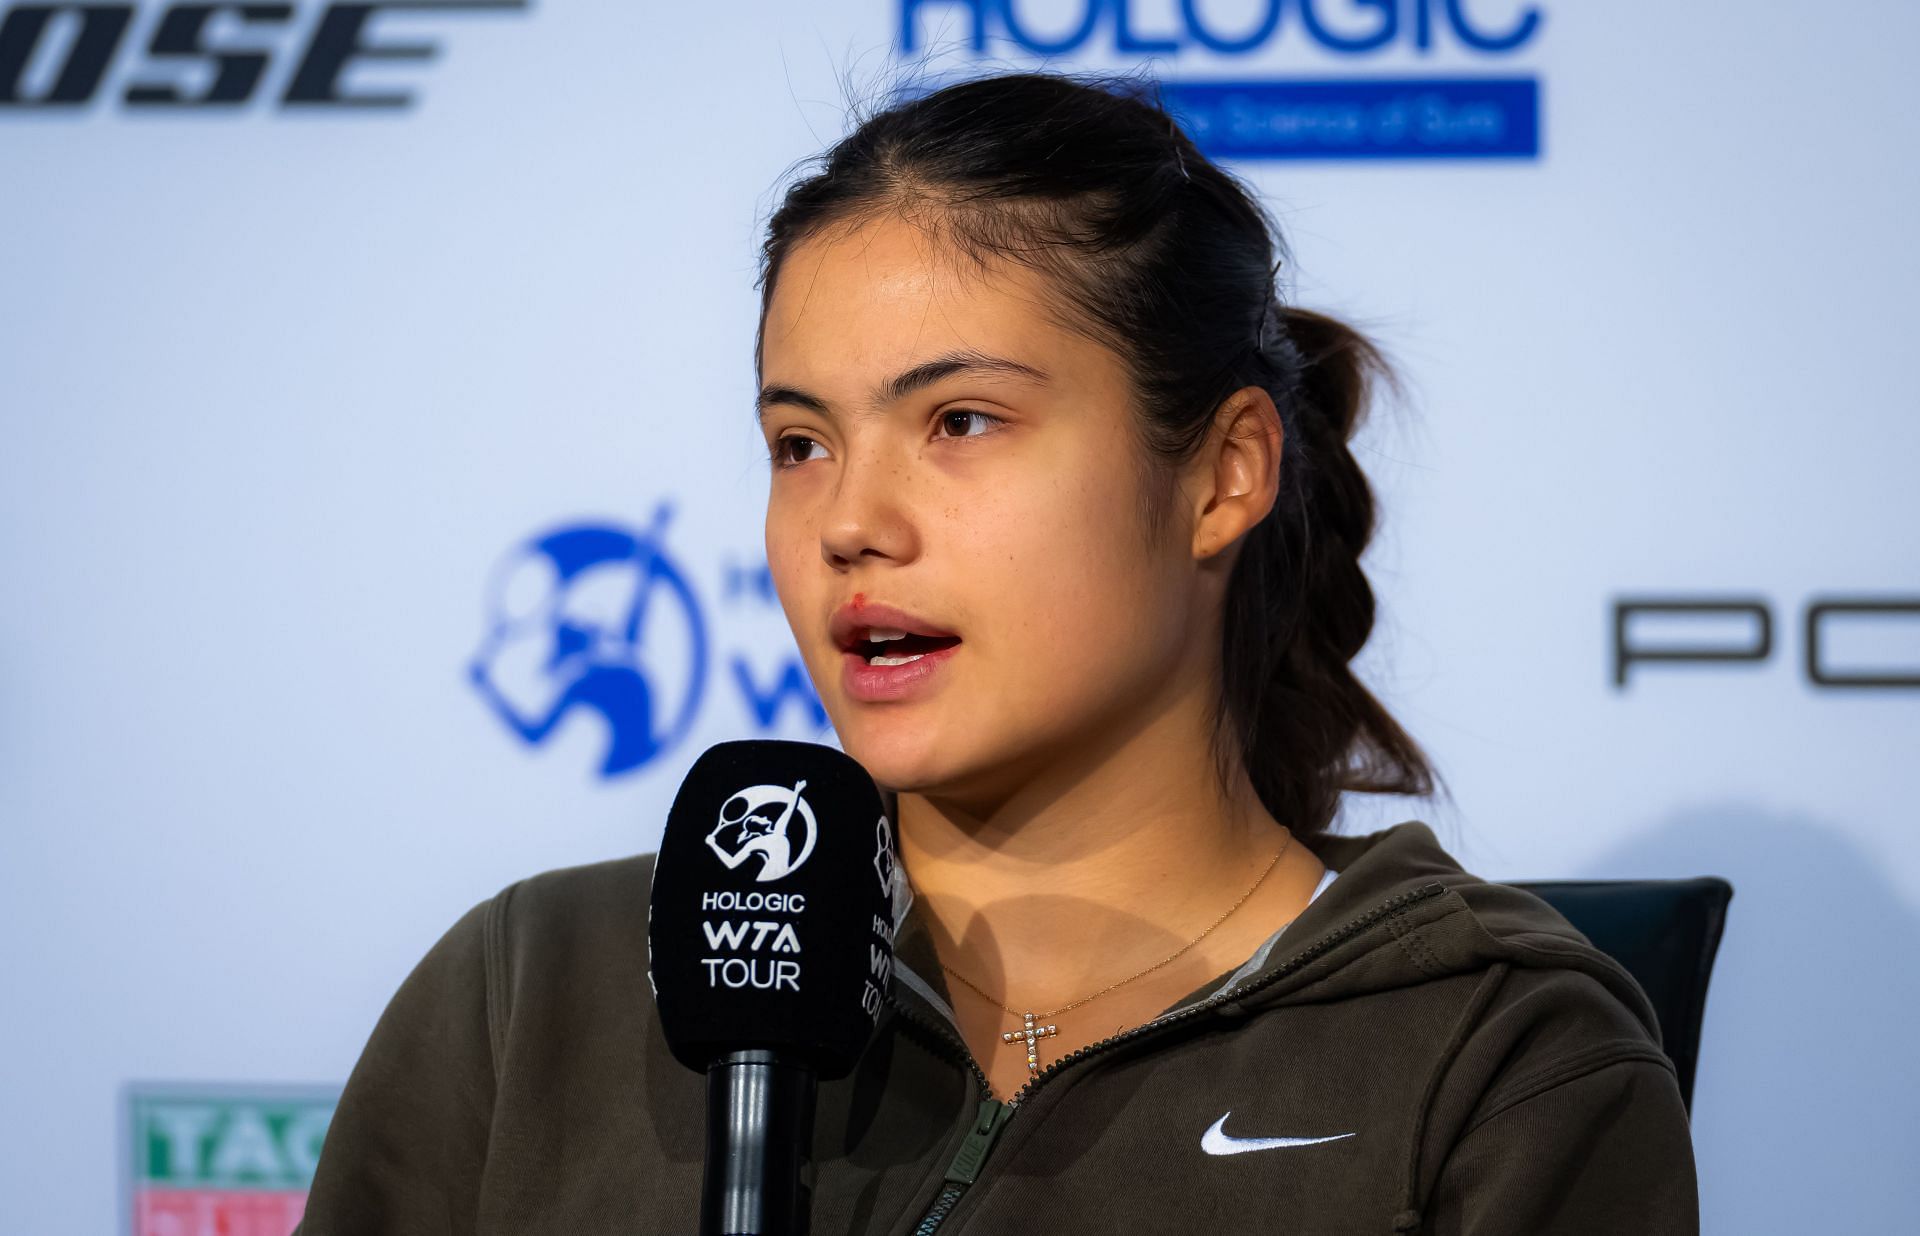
(758, 1179)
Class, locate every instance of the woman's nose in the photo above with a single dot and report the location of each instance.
(867, 515)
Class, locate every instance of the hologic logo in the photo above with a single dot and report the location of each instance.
(1136, 28)
(771, 821)
(1310, 117)
(602, 621)
(185, 57)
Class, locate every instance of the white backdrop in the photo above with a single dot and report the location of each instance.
(283, 391)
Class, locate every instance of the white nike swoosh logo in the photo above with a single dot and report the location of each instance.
(1216, 1141)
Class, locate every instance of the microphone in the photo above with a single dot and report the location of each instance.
(770, 951)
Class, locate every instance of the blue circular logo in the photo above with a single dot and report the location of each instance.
(595, 617)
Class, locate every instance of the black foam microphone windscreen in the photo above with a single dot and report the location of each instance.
(771, 923)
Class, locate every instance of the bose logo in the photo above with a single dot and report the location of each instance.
(207, 55)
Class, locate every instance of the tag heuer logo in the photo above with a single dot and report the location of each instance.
(222, 1160)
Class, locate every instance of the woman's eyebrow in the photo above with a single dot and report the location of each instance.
(904, 383)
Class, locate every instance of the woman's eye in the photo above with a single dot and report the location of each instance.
(792, 450)
(784, 448)
(958, 420)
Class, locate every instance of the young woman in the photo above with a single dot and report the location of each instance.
(1065, 523)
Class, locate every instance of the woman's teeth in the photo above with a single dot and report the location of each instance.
(881, 635)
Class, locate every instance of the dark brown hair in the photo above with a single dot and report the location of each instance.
(1170, 261)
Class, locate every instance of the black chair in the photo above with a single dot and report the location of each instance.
(1665, 932)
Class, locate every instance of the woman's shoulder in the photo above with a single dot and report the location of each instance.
(1545, 998)
(584, 893)
(536, 991)
(542, 937)
(567, 918)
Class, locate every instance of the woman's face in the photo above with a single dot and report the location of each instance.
(942, 447)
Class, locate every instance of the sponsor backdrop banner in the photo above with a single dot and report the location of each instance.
(380, 503)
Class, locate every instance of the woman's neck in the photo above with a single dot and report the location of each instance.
(1088, 870)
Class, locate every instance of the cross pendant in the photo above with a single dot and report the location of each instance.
(1032, 1033)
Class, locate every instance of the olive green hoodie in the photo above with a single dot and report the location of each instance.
(1419, 1051)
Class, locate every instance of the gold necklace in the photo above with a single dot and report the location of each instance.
(1030, 1028)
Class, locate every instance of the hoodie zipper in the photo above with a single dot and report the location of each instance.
(988, 1120)
(992, 1115)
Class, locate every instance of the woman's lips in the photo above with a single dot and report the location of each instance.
(873, 684)
(851, 622)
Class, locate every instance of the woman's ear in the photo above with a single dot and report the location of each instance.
(1235, 479)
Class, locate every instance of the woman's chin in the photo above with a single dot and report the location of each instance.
(899, 759)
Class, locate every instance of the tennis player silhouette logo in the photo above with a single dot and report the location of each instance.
(594, 621)
(883, 859)
(771, 821)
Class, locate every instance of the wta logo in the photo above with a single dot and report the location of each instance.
(600, 620)
(598, 625)
(772, 822)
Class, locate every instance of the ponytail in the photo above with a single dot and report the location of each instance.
(1298, 606)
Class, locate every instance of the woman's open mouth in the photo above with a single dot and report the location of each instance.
(882, 647)
(890, 664)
